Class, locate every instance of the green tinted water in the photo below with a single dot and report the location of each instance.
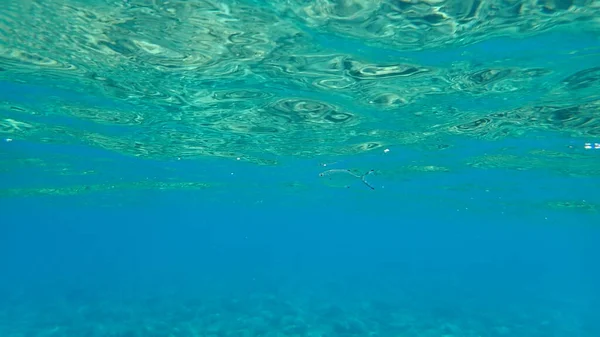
(260, 82)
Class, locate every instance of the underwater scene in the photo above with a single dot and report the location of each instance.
(293, 168)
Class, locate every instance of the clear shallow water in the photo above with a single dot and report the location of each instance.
(199, 169)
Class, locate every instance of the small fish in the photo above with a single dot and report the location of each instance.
(344, 178)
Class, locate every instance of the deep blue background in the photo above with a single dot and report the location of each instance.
(433, 254)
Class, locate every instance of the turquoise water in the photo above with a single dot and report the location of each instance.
(290, 168)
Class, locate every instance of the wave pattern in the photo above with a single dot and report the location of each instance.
(243, 79)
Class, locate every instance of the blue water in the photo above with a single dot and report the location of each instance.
(274, 251)
(253, 261)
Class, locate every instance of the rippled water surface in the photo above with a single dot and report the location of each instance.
(189, 79)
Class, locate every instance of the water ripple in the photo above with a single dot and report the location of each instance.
(226, 78)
